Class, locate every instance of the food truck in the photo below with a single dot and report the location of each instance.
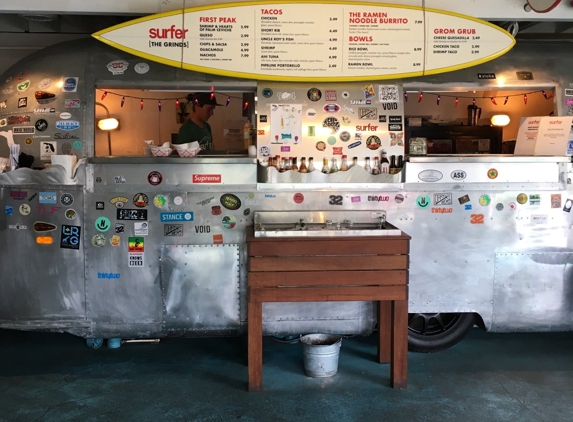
(114, 234)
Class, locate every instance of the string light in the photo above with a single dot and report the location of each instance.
(506, 100)
(474, 102)
(159, 105)
(405, 97)
(438, 99)
(105, 93)
(212, 95)
(122, 101)
(457, 101)
(525, 98)
(141, 104)
(245, 105)
(421, 96)
(493, 101)
(228, 101)
(177, 104)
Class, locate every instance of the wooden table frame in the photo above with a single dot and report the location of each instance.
(332, 269)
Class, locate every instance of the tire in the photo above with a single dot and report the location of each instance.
(429, 333)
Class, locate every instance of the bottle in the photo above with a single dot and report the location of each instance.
(354, 162)
(282, 166)
(247, 134)
(294, 167)
(310, 165)
(400, 162)
(344, 164)
(393, 169)
(384, 164)
(288, 164)
(376, 167)
(334, 167)
(271, 162)
(302, 168)
(325, 168)
(367, 165)
(277, 162)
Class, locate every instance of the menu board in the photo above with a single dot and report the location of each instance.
(311, 41)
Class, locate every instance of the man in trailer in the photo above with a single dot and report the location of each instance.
(196, 127)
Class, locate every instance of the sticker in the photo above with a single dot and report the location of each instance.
(100, 206)
(205, 201)
(368, 91)
(458, 175)
(173, 230)
(8, 210)
(98, 240)
(176, 216)
(70, 214)
(335, 200)
(141, 229)
(23, 86)
(135, 259)
(25, 130)
(72, 103)
(499, 206)
(22, 102)
(44, 210)
(77, 144)
(311, 131)
(535, 199)
(430, 176)
(423, 201)
(70, 237)
(331, 108)
(484, 200)
(202, 229)
(331, 140)
(229, 221)
(66, 199)
(568, 204)
(117, 67)
(264, 151)
(140, 200)
(119, 180)
(127, 214)
(3, 122)
(70, 84)
(43, 227)
(155, 178)
(67, 124)
(141, 68)
(355, 199)
(463, 199)
(230, 201)
(285, 148)
(33, 196)
(298, 198)
(476, 219)
(442, 210)
(331, 123)
(442, 199)
(59, 135)
(66, 148)
(345, 136)
(267, 92)
(102, 224)
(337, 151)
(330, 95)
(17, 120)
(512, 206)
(492, 173)
(354, 144)
(45, 83)
(18, 195)
(218, 239)
(24, 209)
(44, 110)
(345, 95)
(136, 244)
(17, 227)
(367, 113)
(538, 218)
(216, 210)
(320, 145)
(373, 142)
(378, 198)
(556, 200)
(119, 228)
(521, 198)
(314, 94)
(399, 198)
(47, 198)
(65, 115)
(285, 96)
(44, 97)
(246, 212)
(178, 200)
(159, 201)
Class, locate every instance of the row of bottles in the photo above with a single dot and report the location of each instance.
(379, 166)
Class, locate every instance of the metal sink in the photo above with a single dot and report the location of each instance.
(323, 224)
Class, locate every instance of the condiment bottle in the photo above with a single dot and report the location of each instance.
(334, 167)
(310, 164)
(303, 168)
(325, 168)
(376, 167)
(367, 165)
(294, 167)
(344, 164)
(384, 164)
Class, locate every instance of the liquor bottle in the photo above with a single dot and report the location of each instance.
(310, 164)
(277, 162)
(282, 166)
(334, 167)
(376, 167)
(271, 162)
(393, 169)
(400, 162)
(302, 168)
(288, 163)
(325, 168)
(294, 167)
(344, 164)
(367, 165)
(354, 162)
(384, 164)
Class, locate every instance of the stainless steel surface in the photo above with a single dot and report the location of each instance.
(174, 160)
(490, 159)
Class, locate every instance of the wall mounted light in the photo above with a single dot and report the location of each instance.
(108, 124)
(500, 120)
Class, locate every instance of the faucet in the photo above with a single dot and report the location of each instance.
(381, 222)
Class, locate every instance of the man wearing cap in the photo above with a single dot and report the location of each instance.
(196, 127)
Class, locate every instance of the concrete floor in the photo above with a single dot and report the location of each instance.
(487, 377)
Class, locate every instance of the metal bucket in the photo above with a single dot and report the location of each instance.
(321, 353)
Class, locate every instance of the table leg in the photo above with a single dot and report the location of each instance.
(384, 331)
(255, 346)
(399, 364)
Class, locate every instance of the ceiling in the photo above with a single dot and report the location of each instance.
(25, 33)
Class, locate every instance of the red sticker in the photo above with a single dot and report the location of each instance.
(337, 150)
(298, 198)
(155, 178)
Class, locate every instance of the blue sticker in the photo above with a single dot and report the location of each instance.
(77, 145)
(70, 85)
(70, 237)
(102, 224)
(468, 207)
(354, 144)
(67, 124)
(176, 216)
(108, 275)
(47, 198)
(8, 210)
(423, 201)
(267, 92)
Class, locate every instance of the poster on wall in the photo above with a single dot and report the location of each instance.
(286, 123)
(545, 135)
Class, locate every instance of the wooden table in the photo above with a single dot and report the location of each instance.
(312, 269)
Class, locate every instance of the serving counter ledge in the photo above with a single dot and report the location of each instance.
(215, 159)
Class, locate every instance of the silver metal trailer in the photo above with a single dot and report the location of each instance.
(497, 248)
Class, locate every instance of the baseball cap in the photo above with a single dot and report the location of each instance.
(202, 98)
